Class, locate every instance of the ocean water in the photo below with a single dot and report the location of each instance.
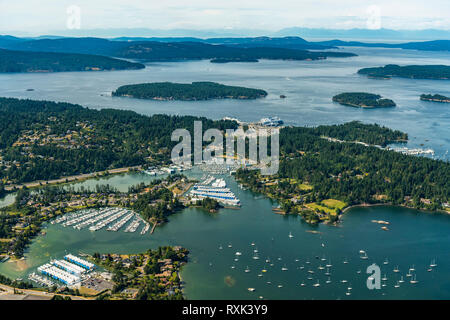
(414, 238)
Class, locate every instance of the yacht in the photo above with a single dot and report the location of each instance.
(255, 258)
(348, 293)
(302, 284)
(238, 253)
(397, 285)
(321, 267)
(386, 261)
(328, 272)
(247, 270)
(317, 284)
(329, 265)
(290, 235)
(409, 274)
(280, 286)
(230, 246)
(396, 269)
(433, 263)
(329, 280)
(414, 280)
(384, 278)
(412, 268)
(343, 281)
(401, 280)
(251, 289)
(284, 268)
(364, 257)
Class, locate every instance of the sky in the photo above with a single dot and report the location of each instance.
(35, 17)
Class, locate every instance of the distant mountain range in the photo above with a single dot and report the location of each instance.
(308, 33)
(117, 46)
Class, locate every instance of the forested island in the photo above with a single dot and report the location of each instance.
(21, 61)
(437, 72)
(363, 100)
(434, 98)
(227, 60)
(187, 92)
(320, 177)
(169, 51)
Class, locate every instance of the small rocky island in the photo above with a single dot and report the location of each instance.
(437, 72)
(187, 92)
(434, 98)
(363, 100)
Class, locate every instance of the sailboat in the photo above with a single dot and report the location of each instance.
(290, 235)
(230, 246)
(323, 258)
(317, 284)
(321, 267)
(384, 278)
(401, 280)
(247, 270)
(329, 280)
(220, 247)
(414, 280)
(329, 265)
(328, 272)
(386, 261)
(433, 263)
(396, 269)
(307, 261)
(345, 261)
(364, 257)
(409, 274)
(412, 268)
(397, 285)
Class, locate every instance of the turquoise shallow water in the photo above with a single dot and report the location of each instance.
(415, 238)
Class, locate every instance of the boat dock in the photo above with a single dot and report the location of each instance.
(111, 218)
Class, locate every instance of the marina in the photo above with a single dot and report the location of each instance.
(216, 191)
(69, 271)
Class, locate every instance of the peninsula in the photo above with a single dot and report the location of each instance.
(363, 100)
(21, 61)
(188, 92)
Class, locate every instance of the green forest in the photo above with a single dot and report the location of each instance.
(351, 172)
(21, 61)
(186, 91)
(363, 100)
(438, 72)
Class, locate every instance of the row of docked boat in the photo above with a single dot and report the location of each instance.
(216, 191)
(113, 219)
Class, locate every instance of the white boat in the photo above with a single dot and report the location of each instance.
(362, 252)
(396, 269)
(251, 289)
(414, 280)
(329, 280)
(290, 235)
(247, 270)
(302, 284)
(238, 253)
(384, 278)
(401, 280)
(317, 284)
(386, 261)
(397, 285)
(433, 263)
(284, 268)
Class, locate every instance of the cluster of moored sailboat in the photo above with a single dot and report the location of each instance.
(113, 219)
(316, 271)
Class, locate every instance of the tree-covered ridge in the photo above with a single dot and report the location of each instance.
(356, 131)
(169, 51)
(21, 61)
(47, 140)
(434, 98)
(314, 170)
(363, 100)
(438, 72)
(185, 91)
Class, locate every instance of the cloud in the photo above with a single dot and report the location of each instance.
(46, 16)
